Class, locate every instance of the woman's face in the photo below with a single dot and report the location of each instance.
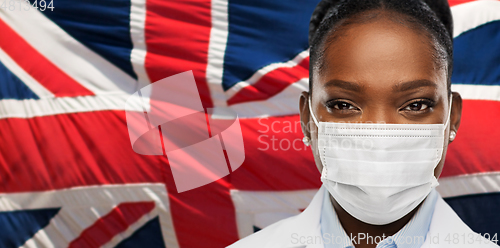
(380, 72)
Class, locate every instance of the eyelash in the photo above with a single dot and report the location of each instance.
(427, 102)
(332, 103)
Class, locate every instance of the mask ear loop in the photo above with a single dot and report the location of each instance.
(435, 182)
(312, 113)
(449, 112)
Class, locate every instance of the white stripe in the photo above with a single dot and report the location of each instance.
(284, 103)
(67, 225)
(41, 240)
(137, 34)
(262, 72)
(13, 67)
(474, 14)
(216, 51)
(96, 200)
(86, 196)
(477, 92)
(250, 206)
(11, 108)
(79, 62)
(469, 184)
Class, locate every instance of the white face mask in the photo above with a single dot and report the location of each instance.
(379, 173)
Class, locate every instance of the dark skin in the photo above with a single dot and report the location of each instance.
(380, 72)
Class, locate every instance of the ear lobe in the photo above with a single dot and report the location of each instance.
(456, 111)
(304, 113)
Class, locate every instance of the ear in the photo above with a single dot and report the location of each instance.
(456, 112)
(304, 114)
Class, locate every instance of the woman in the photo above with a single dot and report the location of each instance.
(379, 115)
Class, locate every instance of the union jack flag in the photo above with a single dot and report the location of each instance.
(70, 178)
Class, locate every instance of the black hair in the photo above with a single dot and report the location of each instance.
(432, 16)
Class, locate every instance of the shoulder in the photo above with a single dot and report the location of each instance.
(448, 230)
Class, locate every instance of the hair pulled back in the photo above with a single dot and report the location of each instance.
(431, 16)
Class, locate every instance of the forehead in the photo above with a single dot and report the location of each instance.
(383, 50)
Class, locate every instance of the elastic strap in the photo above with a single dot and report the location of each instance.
(312, 113)
(449, 112)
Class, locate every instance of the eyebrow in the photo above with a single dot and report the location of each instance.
(351, 86)
(411, 85)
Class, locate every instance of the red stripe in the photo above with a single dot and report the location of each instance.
(90, 148)
(177, 40)
(457, 2)
(275, 156)
(272, 83)
(206, 213)
(112, 224)
(39, 67)
(475, 149)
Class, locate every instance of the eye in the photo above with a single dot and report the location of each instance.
(418, 106)
(341, 105)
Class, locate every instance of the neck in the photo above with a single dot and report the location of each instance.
(354, 227)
